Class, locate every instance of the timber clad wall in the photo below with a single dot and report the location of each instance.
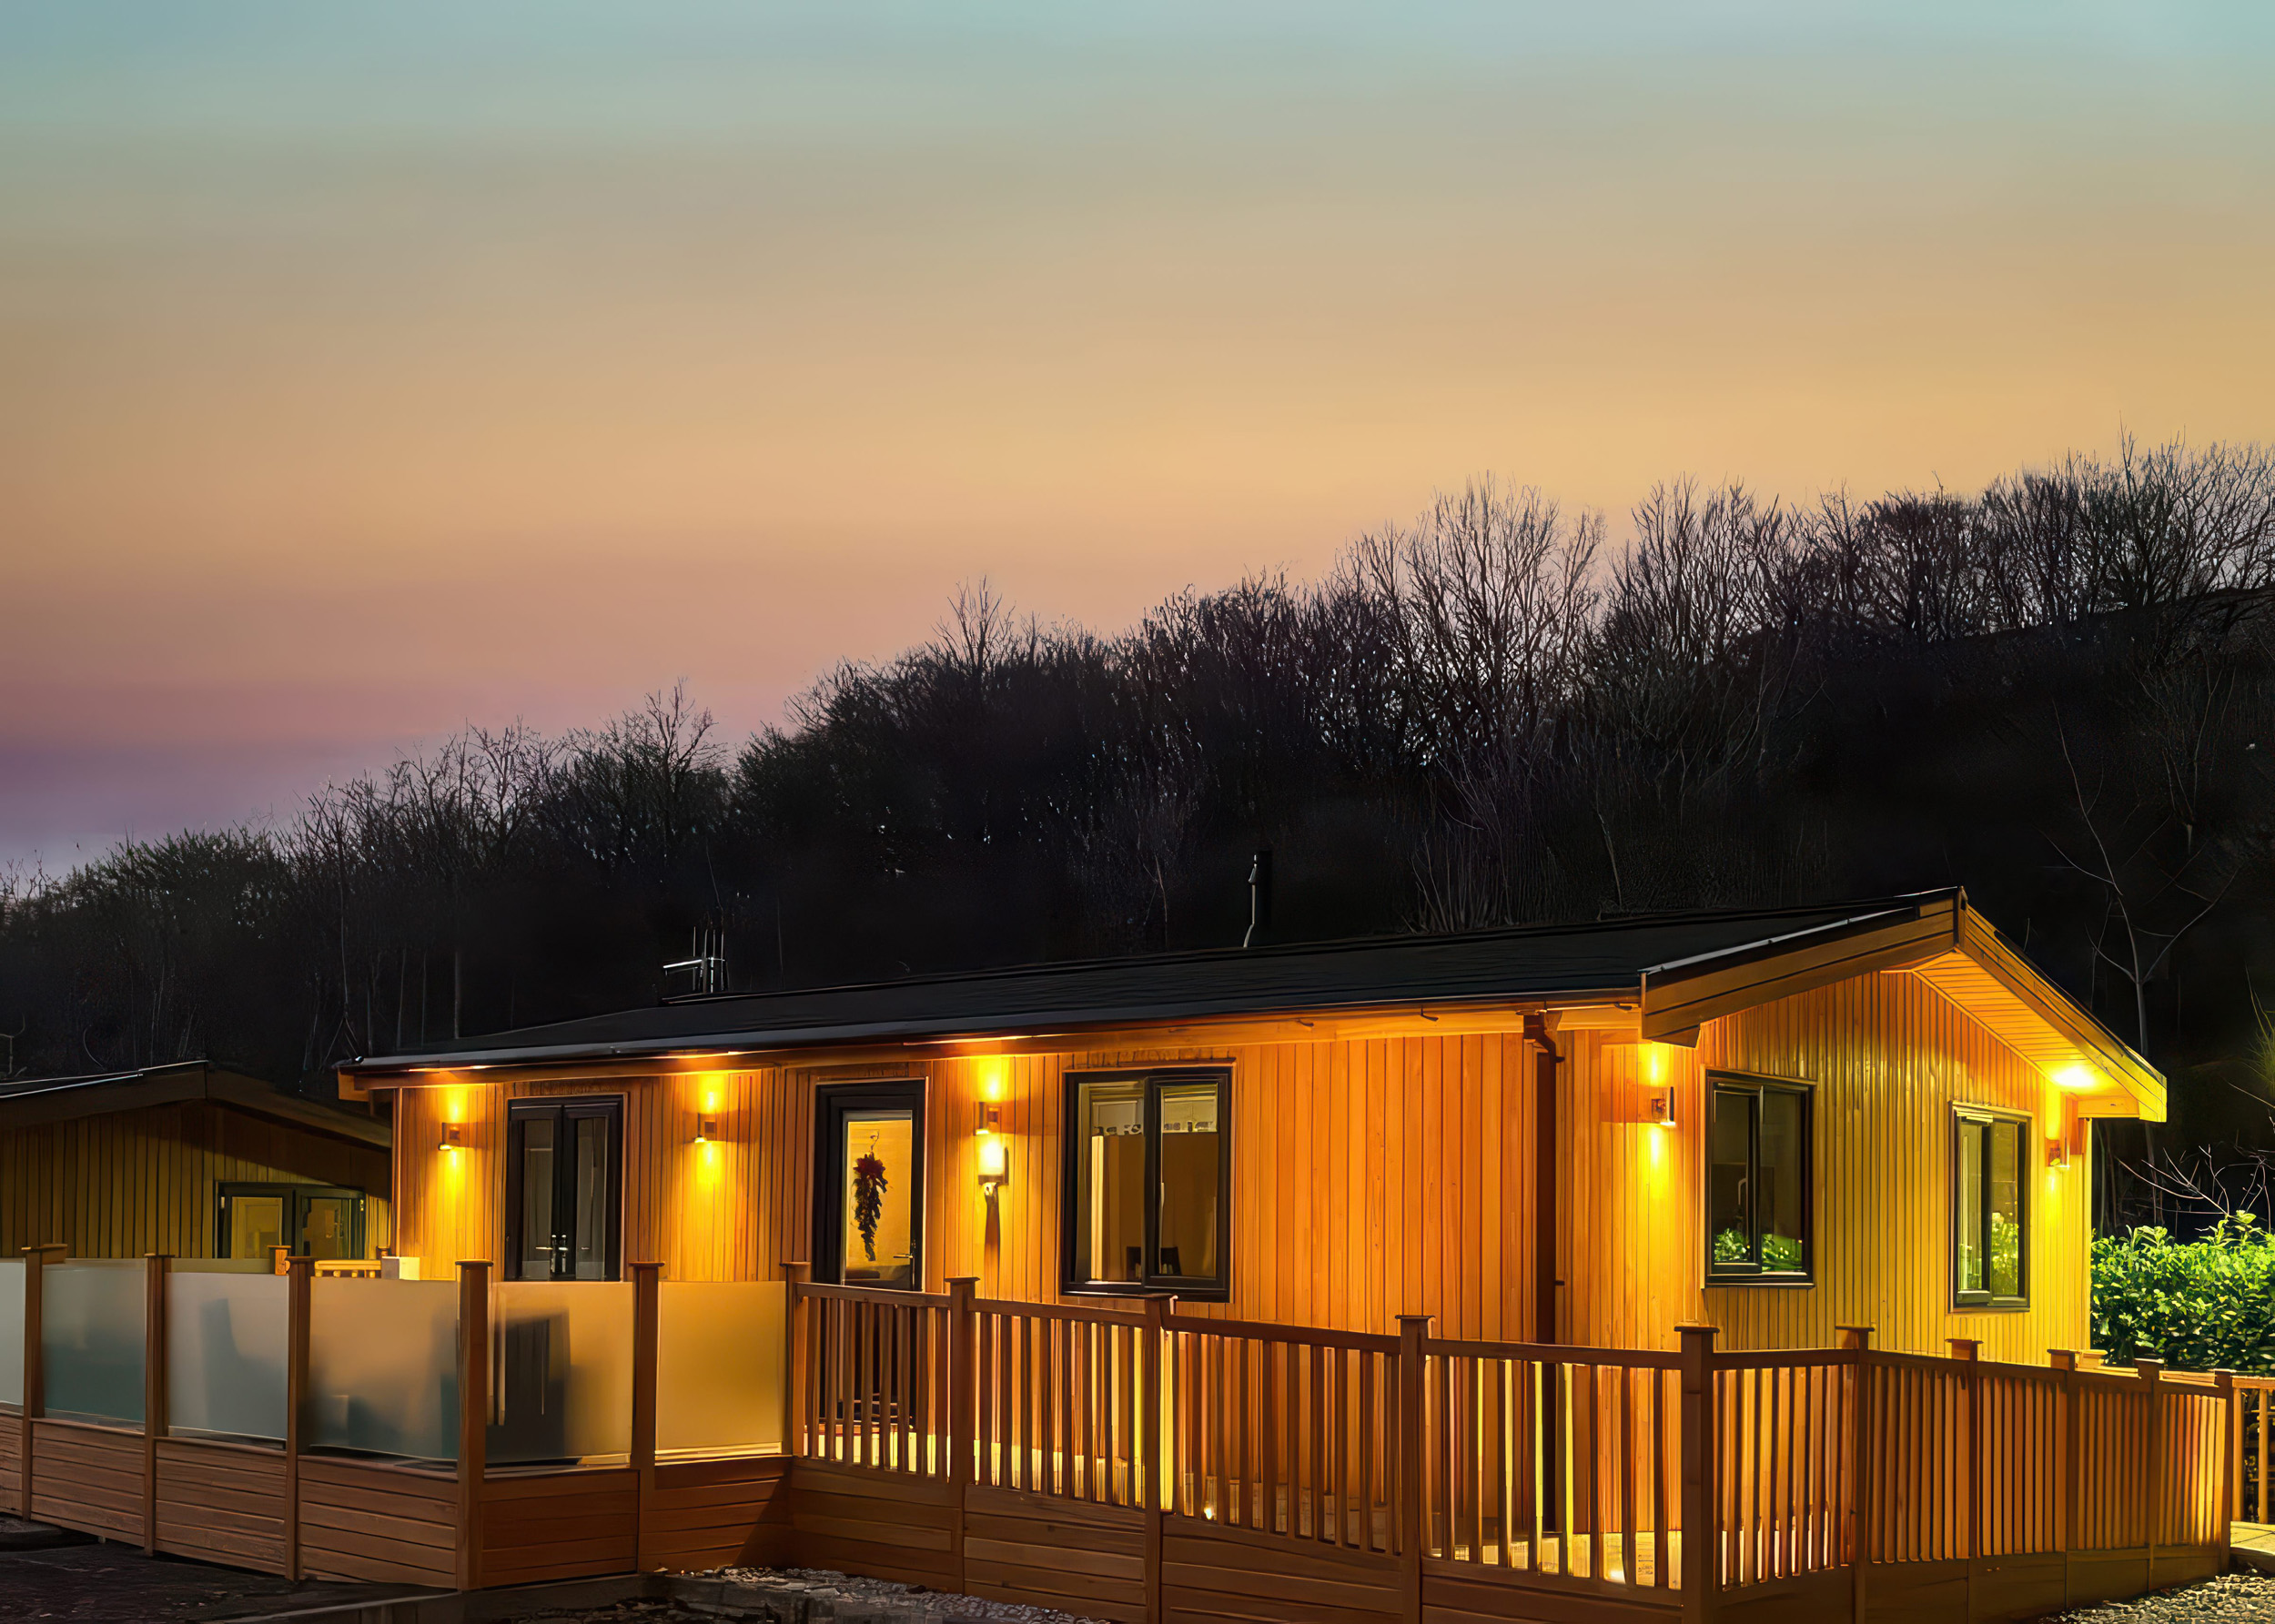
(387, 1524)
(222, 1503)
(1890, 1056)
(1378, 1177)
(10, 1462)
(134, 1182)
(87, 1478)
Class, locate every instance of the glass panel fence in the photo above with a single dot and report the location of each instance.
(225, 1340)
(719, 1364)
(91, 1338)
(383, 1367)
(563, 1358)
(11, 1331)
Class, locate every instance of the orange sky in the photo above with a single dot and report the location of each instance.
(360, 376)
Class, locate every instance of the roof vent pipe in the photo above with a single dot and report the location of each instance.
(1260, 895)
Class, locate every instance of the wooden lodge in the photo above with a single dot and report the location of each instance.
(194, 1159)
(1699, 1265)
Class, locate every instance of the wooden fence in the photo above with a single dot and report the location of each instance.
(1170, 1466)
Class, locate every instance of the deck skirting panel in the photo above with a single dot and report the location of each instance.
(88, 1478)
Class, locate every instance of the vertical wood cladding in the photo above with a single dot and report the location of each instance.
(134, 1182)
(1889, 1057)
(1374, 1177)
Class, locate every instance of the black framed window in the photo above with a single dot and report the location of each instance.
(314, 1220)
(1760, 1187)
(1148, 1182)
(564, 1173)
(1990, 1184)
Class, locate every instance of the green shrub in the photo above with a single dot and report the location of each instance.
(2206, 1305)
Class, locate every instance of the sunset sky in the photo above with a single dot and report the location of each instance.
(365, 370)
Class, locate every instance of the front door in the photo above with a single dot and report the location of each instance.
(565, 1168)
(869, 1186)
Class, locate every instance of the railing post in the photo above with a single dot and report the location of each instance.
(155, 1268)
(1413, 1330)
(2151, 1373)
(1857, 1340)
(473, 1415)
(961, 1290)
(644, 1299)
(795, 1441)
(298, 1277)
(35, 1362)
(1149, 1441)
(2232, 1441)
(1968, 1351)
(1702, 1539)
(2070, 1478)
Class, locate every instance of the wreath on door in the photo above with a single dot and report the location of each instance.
(869, 1185)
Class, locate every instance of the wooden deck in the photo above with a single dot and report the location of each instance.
(1131, 1463)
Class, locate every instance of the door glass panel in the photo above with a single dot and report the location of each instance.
(536, 1262)
(589, 1256)
(1110, 1180)
(1783, 1152)
(1189, 1171)
(1970, 1220)
(877, 1145)
(1729, 1211)
(2003, 1272)
(256, 1224)
(329, 1228)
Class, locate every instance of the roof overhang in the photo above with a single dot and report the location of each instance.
(70, 1099)
(1952, 948)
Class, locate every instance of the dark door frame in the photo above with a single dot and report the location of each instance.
(565, 1111)
(831, 1102)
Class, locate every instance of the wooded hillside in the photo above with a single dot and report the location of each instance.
(2058, 692)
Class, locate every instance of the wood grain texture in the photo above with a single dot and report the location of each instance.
(11, 1461)
(136, 1181)
(88, 1478)
(1890, 1056)
(222, 1503)
(717, 1513)
(559, 1525)
(387, 1524)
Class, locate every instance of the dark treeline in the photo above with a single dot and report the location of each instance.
(2056, 693)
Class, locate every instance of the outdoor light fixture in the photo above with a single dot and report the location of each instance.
(995, 1156)
(2074, 1076)
(706, 1129)
(453, 1136)
(1662, 1106)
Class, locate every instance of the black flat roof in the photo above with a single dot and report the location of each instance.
(1609, 957)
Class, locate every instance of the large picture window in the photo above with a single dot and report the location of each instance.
(1148, 1182)
(310, 1220)
(1989, 1233)
(1759, 1188)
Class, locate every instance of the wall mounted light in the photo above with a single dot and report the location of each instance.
(994, 1153)
(706, 1129)
(1663, 1104)
(453, 1136)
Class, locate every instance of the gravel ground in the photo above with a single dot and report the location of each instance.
(847, 1597)
(2232, 1599)
(116, 1584)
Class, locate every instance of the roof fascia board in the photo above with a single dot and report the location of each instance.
(1449, 1019)
(1980, 940)
(187, 1086)
(1705, 989)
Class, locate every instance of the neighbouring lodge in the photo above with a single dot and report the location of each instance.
(193, 1159)
(1702, 1265)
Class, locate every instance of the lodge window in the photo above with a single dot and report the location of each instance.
(306, 1220)
(565, 1168)
(1759, 1186)
(1989, 1221)
(1148, 1182)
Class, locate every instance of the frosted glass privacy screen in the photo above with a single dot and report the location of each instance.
(90, 1339)
(719, 1364)
(225, 1353)
(383, 1367)
(563, 1370)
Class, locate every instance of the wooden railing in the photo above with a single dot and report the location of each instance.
(1548, 1467)
(1059, 1403)
(1566, 1462)
(1283, 1430)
